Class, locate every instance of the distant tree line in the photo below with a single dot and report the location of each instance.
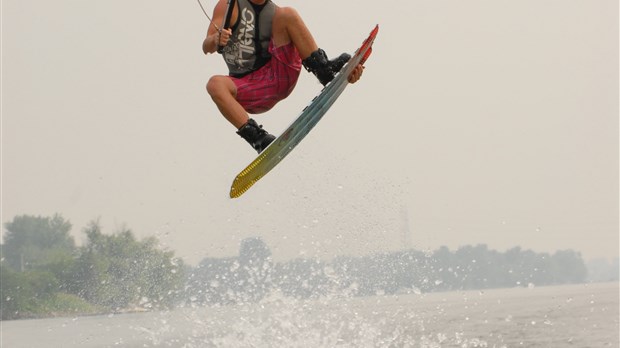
(43, 272)
(603, 270)
(253, 274)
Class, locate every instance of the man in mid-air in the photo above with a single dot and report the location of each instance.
(264, 48)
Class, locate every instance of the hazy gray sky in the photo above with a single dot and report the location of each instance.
(478, 121)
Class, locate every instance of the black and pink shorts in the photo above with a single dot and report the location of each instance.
(260, 90)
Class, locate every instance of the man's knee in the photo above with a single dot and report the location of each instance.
(287, 14)
(218, 86)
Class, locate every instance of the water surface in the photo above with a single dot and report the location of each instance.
(561, 316)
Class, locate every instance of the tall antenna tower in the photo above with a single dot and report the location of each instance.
(405, 232)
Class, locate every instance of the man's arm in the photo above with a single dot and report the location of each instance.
(210, 43)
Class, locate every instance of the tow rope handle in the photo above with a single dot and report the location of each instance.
(226, 23)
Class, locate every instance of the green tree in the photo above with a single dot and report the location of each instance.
(117, 271)
(32, 241)
(23, 293)
(568, 267)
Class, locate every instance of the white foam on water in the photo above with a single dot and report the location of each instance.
(330, 321)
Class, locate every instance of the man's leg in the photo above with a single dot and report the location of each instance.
(223, 92)
(288, 26)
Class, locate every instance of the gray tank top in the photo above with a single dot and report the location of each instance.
(248, 48)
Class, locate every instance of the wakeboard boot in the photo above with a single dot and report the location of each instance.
(255, 135)
(323, 68)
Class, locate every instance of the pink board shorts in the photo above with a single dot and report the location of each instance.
(260, 90)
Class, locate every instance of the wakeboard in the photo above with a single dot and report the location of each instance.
(309, 117)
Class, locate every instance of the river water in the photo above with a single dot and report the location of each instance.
(563, 316)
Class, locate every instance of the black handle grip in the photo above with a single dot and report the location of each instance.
(226, 22)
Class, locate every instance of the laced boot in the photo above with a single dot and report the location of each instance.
(323, 68)
(255, 135)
